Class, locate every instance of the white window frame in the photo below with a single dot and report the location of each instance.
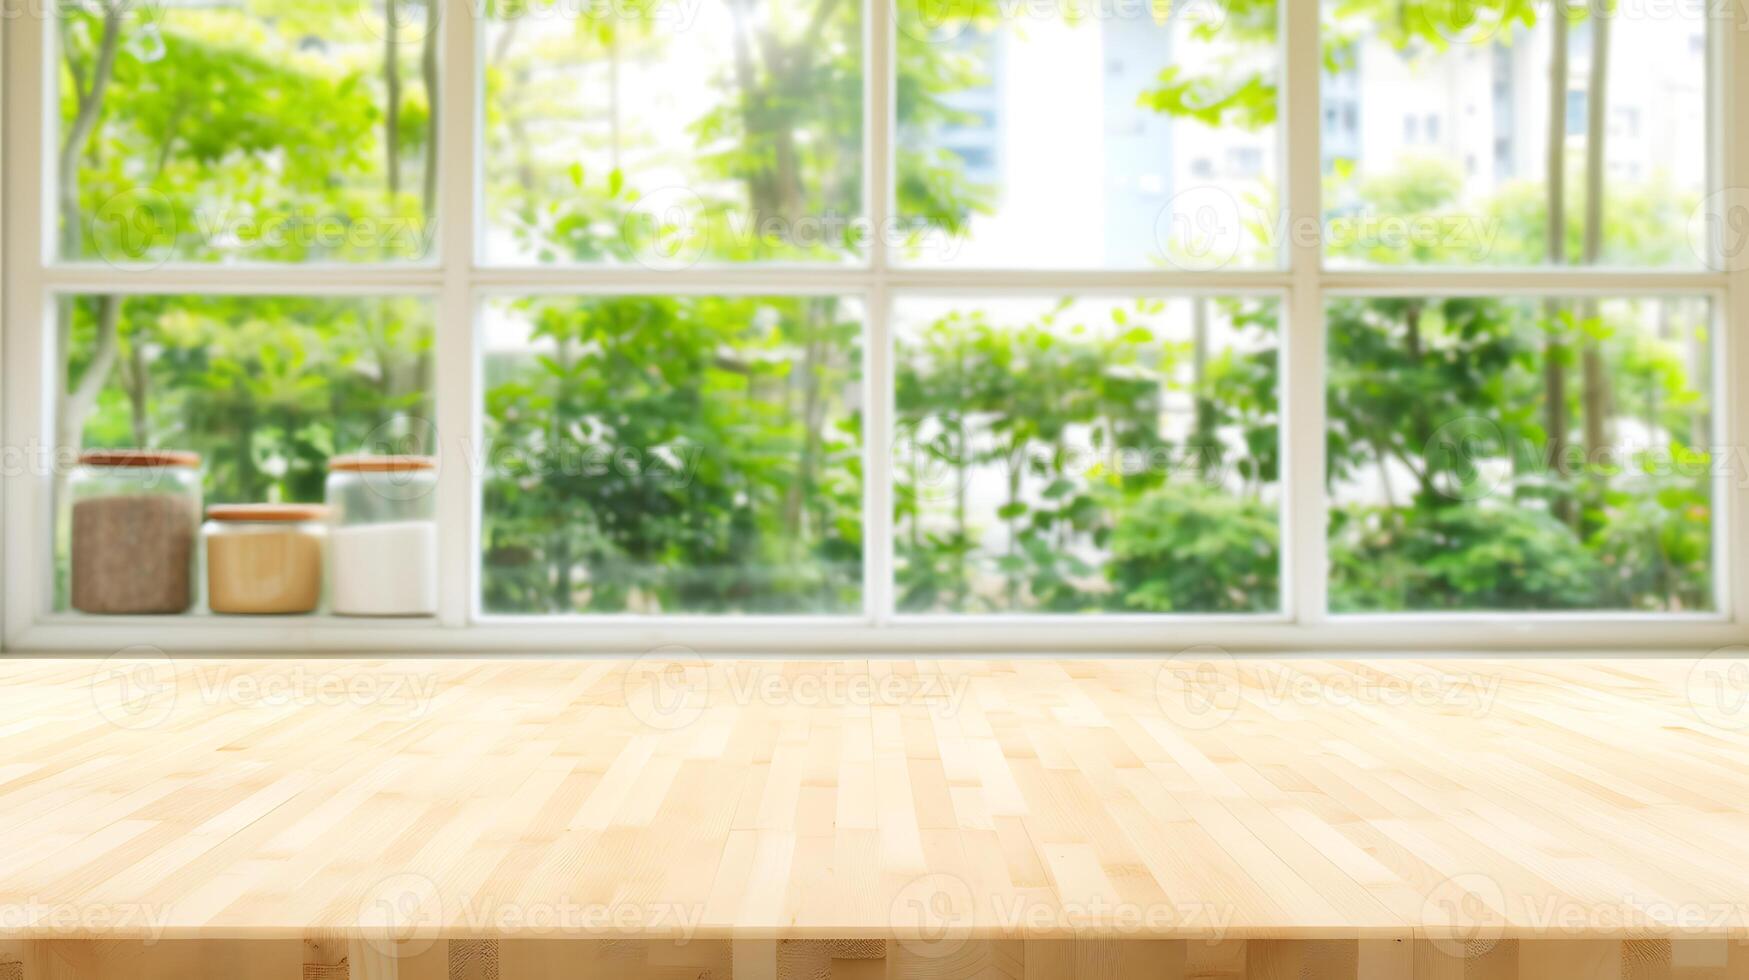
(458, 281)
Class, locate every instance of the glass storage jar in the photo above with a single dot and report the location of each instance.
(264, 559)
(382, 546)
(134, 517)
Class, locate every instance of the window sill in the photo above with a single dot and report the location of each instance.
(1404, 635)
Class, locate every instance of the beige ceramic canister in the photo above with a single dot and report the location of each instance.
(265, 559)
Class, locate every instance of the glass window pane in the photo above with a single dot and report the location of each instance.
(1116, 134)
(673, 455)
(258, 129)
(1439, 129)
(1520, 454)
(265, 388)
(671, 134)
(1087, 455)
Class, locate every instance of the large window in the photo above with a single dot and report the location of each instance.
(767, 322)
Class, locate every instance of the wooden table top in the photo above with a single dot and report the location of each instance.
(1197, 796)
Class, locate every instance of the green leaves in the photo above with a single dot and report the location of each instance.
(1439, 413)
(1059, 411)
(674, 454)
(1472, 556)
(258, 134)
(267, 389)
(1193, 548)
(1246, 101)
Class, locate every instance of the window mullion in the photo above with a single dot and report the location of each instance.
(315, 279)
(1730, 203)
(457, 394)
(1563, 280)
(879, 82)
(1303, 463)
(28, 528)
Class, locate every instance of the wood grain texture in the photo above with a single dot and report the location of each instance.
(1045, 959)
(970, 811)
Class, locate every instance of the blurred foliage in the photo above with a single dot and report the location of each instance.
(665, 454)
(1194, 548)
(1063, 416)
(265, 388)
(1458, 557)
(700, 454)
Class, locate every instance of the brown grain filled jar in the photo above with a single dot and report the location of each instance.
(135, 514)
(265, 559)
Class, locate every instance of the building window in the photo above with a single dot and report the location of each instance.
(1578, 115)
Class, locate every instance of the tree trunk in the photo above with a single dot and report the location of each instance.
(392, 79)
(558, 549)
(1420, 424)
(74, 403)
(613, 123)
(1204, 425)
(1015, 466)
(1385, 489)
(516, 78)
(90, 106)
(1554, 349)
(762, 191)
(429, 72)
(139, 383)
(961, 509)
(1597, 398)
(762, 72)
(769, 107)
(815, 318)
(1700, 362)
(244, 447)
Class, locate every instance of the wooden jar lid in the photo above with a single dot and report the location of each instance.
(275, 513)
(380, 464)
(140, 458)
